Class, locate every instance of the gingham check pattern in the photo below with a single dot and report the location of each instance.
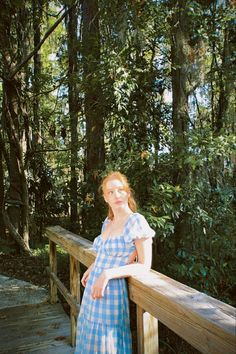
(103, 324)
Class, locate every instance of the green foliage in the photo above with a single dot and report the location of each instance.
(204, 258)
(194, 219)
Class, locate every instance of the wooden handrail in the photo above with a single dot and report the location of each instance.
(204, 322)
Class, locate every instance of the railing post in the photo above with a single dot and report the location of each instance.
(147, 332)
(53, 269)
(75, 292)
(140, 339)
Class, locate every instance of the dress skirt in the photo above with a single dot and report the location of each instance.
(98, 338)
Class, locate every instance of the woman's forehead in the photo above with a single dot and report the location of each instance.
(113, 183)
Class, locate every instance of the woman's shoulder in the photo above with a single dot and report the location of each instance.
(137, 217)
(138, 227)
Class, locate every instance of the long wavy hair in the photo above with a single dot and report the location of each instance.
(123, 179)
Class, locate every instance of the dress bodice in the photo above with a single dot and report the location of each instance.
(115, 251)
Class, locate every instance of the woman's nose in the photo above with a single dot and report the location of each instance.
(116, 193)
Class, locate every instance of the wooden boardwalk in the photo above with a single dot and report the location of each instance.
(33, 328)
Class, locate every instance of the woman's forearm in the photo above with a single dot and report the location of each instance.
(126, 271)
(100, 284)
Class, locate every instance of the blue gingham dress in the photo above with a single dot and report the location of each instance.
(103, 324)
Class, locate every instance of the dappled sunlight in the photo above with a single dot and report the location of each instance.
(111, 109)
(108, 342)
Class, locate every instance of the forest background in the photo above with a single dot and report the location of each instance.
(145, 87)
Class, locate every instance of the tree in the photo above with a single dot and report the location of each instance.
(35, 162)
(180, 39)
(73, 106)
(15, 122)
(15, 128)
(93, 99)
(2, 190)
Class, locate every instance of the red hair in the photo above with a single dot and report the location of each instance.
(123, 179)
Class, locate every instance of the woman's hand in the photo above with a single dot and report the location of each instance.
(99, 286)
(86, 275)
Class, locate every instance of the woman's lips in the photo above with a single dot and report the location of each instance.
(118, 201)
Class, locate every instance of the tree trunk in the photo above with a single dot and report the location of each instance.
(37, 14)
(17, 194)
(93, 106)
(2, 225)
(180, 68)
(226, 76)
(93, 90)
(15, 128)
(73, 109)
(37, 126)
(179, 45)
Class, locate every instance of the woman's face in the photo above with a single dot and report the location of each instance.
(115, 194)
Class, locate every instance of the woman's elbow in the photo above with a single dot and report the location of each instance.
(146, 266)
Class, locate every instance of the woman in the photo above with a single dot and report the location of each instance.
(103, 323)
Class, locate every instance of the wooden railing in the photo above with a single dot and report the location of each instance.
(204, 322)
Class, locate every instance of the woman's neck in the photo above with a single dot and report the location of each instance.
(121, 214)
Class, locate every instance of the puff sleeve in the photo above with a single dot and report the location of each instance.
(138, 228)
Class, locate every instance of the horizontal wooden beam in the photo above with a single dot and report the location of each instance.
(204, 322)
(63, 290)
(76, 246)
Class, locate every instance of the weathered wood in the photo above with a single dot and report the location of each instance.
(206, 323)
(147, 332)
(140, 334)
(75, 293)
(76, 246)
(41, 328)
(53, 269)
(63, 290)
(150, 334)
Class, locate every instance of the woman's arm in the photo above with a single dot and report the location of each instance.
(144, 253)
(86, 275)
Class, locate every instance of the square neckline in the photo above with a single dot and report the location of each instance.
(116, 236)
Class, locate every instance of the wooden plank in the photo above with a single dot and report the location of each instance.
(150, 334)
(53, 269)
(63, 290)
(62, 349)
(76, 246)
(51, 322)
(75, 293)
(140, 337)
(46, 347)
(35, 328)
(40, 333)
(147, 333)
(30, 313)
